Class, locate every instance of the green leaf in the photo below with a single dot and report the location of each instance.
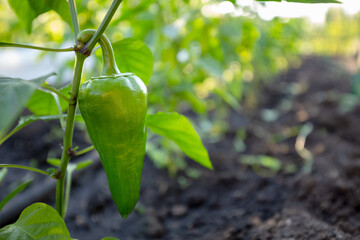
(39, 221)
(76, 166)
(177, 128)
(211, 65)
(228, 98)
(303, 1)
(54, 161)
(14, 94)
(83, 164)
(17, 190)
(134, 56)
(265, 166)
(42, 102)
(27, 10)
(3, 172)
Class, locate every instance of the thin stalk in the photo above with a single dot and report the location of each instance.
(24, 121)
(85, 150)
(67, 189)
(74, 18)
(99, 32)
(56, 91)
(9, 135)
(25, 167)
(109, 63)
(69, 129)
(58, 105)
(17, 45)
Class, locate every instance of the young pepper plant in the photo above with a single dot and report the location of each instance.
(121, 159)
(16, 93)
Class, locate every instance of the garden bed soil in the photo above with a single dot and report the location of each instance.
(235, 201)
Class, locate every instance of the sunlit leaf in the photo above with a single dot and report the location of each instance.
(177, 128)
(28, 10)
(39, 221)
(134, 56)
(14, 94)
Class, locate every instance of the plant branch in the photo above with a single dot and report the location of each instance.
(69, 129)
(60, 112)
(99, 32)
(85, 150)
(56, 91)
(17, 45)
(25, 167)
(74, 18)
(70, 171)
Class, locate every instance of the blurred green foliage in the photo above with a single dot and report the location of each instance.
(338, 36)
(205, 62)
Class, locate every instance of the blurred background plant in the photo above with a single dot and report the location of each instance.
(211, 58)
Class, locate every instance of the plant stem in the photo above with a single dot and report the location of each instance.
(99, 32)
(60, 113)
(54, 90)
(68, 188)
(85, 150)
(24, 167)
(109, 64)
(17, 45)
(67, 151)
(74, 18)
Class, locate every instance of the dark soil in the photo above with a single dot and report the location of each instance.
(303, 200)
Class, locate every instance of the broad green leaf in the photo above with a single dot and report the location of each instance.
(42, 102)
(302, 1)
(14, 94)
(17, 190)
(39, 221)
(27, 10)
(134, 56)
(3, 172)
(177, 128)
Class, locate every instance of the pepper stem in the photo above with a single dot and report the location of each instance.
(109, 63)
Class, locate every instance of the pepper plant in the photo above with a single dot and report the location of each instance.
(113, 107)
